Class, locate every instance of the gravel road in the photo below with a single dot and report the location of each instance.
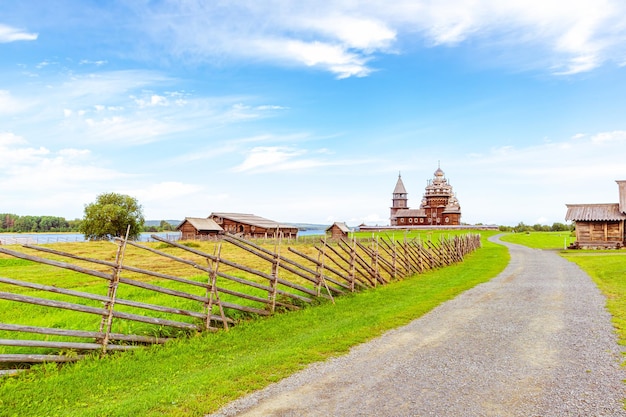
(534, 341)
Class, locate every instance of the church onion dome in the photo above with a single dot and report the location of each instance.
(439, 173)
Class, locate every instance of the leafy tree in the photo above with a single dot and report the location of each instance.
(165, 226)
(560, 227)
(110, 215)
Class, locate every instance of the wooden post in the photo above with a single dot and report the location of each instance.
(275, 268)
(352, 263)
(107, 321)
(212, 294)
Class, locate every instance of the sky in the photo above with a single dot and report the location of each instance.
(307, 111)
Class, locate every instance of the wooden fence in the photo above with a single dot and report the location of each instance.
(221, 291)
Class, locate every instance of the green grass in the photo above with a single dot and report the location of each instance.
(541, 240)
(192, 377)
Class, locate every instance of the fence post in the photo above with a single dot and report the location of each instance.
(275, 267)
(212, 289)
(107, 321)
(352, 263)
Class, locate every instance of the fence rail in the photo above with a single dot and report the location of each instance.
(220, 293)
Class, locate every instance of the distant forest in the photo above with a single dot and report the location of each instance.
(12, 223)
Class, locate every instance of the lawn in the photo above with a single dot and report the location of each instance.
(195, 376)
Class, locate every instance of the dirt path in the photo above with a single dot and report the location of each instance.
(534, 341)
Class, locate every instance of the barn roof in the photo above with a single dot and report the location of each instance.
(411, 213)
(201, 224)
(252, 220)
(594, 212)
(341, 225)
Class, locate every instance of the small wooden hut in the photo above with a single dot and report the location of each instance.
(198, 228)
(251, 226)
(338, 230)
(600, 225)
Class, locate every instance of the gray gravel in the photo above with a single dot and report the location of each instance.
(535, 341)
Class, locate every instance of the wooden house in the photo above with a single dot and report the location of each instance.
(251, 226)
(198, 228)
(600, 225)
(338, 230)
(439, 206)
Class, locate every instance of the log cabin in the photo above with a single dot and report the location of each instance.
(251, 226)
(600, 225)
(198, 228)
(338, 230)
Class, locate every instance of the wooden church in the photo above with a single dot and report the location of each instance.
(439, 206)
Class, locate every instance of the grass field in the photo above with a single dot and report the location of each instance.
(541, 240)
(195, 376)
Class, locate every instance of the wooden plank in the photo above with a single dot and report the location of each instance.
(27, 358)
(89, 296)
(9, 372)
(316, 262)
(63, 345)
(237, 266)
(94, 310)
(56, 263)
(82, 333)
(347, 262)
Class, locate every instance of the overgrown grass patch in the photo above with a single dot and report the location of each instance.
(195, 376)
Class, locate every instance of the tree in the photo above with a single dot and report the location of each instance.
(110, 216)
(165, 226)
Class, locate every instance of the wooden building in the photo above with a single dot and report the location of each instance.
(439, 206)
(251, 226)
(600, 225)
(198, 228)
(338, 230)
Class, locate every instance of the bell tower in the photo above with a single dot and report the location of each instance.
(399, 200)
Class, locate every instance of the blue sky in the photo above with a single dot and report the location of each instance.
(306, 111)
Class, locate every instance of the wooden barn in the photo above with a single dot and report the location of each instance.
(338, 230)
(198, 228)
(251, 226)
(600, 225)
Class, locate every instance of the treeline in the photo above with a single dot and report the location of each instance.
(522, 228)
(36, 224)
(12, 223)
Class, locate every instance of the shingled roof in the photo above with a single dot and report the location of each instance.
(202, 224)
(411, 213)
(341, 225)
(251, 220)
(594, 212)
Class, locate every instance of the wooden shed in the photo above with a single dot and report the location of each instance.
(600, 225)
(251, 226)
(198, 228)
(338, 230)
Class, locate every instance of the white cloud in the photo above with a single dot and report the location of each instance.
(11, 34)
(617, 136)
(343, 37)
(10, 104)
(7, 139)
(268, 157)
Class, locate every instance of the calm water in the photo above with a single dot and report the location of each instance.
(41, 238)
